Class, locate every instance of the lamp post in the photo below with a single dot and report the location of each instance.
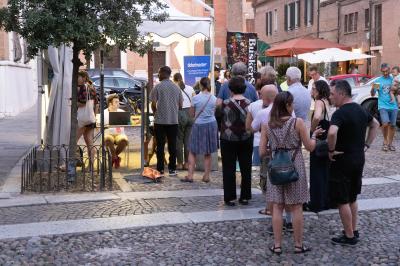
(103, 150)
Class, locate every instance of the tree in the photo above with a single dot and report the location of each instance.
(85, 25)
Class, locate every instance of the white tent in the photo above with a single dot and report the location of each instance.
(332, 55)
(58, 113)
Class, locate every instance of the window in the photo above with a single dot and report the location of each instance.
(350, 22)
(292, 16)
(209, 2)
(276, 20)
(308, 12)
(378, 25)
(366, 21)
(268, 23)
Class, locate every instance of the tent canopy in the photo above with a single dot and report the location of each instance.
(302, 45)
(177, 23)
(332, 55)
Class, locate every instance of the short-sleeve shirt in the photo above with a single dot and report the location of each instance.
(233, 125)
(254, 109)
(250, 93)
(352, 121)
(168, 96)
(302, 100)
(187, 95)
(385, 84)
(208, 113)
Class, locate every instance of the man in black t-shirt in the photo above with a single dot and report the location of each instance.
(347, 142)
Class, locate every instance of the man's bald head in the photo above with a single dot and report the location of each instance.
(268, 93)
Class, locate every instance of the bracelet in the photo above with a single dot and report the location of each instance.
(331, 151)
(366, 145)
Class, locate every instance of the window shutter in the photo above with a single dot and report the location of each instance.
(345, 23)
(270, 23)
(298, 14)
(312, 12)
(266, 24)
(305, 12)
(286, 17)
(355, 21)
(292, 16)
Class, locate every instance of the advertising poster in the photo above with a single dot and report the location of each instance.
(195, 68)
(243, 47)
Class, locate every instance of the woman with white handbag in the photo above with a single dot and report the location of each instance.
(87, 101)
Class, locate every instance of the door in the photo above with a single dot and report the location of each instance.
(159, 60)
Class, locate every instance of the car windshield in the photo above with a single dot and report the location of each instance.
(108, 82)
(369, 82)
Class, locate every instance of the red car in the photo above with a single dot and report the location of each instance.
(354, 80)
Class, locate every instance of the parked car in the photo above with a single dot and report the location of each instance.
(354, 80)
(362, 96)
(114, 72)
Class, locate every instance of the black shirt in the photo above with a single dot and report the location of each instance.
(352, 121)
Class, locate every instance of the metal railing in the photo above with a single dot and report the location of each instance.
(44, 170)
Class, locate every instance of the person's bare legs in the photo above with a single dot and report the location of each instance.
(88, 136)
(207, 167)
(111, 147)
(121, 145)
(298, 224)
(385, 132)
(347, 220)
(391, 132)
(277, 223)
(192, 162)
(354, 215)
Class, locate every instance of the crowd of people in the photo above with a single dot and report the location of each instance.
(256, 126)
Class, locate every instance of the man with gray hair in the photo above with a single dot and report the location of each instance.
(238, 69)
(302, 97)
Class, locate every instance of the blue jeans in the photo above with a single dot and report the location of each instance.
(388, 116)
(256, 156)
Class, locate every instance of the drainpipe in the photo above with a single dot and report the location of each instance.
(369, 60)
(318, 16)
(338, 22)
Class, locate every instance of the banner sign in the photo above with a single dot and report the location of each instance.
(242, 47)
(195, 68)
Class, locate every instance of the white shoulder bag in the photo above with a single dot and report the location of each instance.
(86, 114)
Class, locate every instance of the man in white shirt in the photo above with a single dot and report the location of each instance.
(315, 76)
(114, 136)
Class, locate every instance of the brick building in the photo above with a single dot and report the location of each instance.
(356, 23)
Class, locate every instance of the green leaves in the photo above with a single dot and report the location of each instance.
(84, 23)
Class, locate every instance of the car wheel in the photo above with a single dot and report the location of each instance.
(372, 107)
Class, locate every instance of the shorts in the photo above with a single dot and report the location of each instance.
(256, 156)
(115, 138)
(388, 116)
(345, 178)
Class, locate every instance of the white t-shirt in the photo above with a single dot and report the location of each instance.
(262, 118)
(254, 109)
(311, 82)
(112, 130)
(187, 96)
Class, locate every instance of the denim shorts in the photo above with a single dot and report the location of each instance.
(256, 156)
(388, 116)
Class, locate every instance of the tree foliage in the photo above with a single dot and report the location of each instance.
(84, 24)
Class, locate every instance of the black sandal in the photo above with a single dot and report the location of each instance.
(276, 250)
(302, 249)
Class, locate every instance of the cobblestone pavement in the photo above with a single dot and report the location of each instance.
(87, 210)
(221, 243)
(17, 134)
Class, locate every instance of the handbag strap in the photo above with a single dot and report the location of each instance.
(187, 95)
(325, 111)
(202, 108)
(238, 107)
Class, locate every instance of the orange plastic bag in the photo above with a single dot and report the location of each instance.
(151, 174)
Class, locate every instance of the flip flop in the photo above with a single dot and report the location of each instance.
(264, 212)
(186, 180)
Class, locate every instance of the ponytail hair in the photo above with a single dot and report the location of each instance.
(179, 80)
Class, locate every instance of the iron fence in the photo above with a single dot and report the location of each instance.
(44, 170)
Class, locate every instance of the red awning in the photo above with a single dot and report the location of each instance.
(302, 45)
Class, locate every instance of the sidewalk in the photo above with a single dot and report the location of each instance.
(17, 135)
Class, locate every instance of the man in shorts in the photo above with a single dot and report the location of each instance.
(387, 108)
(347, 142)
(114, 137)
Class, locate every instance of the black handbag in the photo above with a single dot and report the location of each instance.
(281, 167)
(321, 148)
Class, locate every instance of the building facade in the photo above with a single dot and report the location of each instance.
(355, 23)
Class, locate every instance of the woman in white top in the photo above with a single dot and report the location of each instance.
(185, 123)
